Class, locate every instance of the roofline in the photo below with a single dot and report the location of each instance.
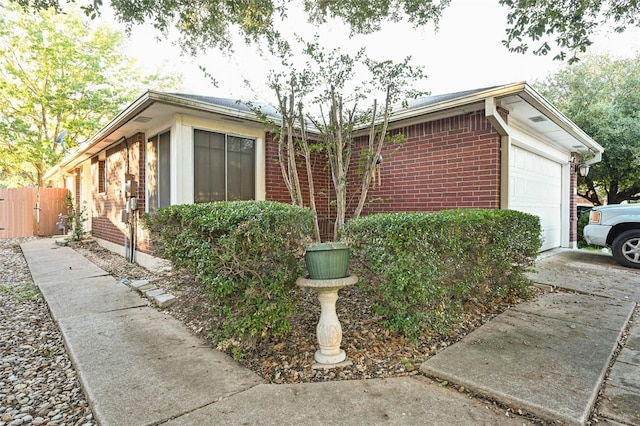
(143, 102)
(539, 102)
(477, 97)
(148, 98)
(522, 89)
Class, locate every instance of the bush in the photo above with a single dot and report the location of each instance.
(247, 254)
(582, 222)
(421, 268)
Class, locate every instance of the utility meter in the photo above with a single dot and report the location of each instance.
(130, 188)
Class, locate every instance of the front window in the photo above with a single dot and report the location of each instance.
(159, 171)
(224, 167)
(102, 176)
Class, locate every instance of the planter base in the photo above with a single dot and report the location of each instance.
(329, 330)
(320, 366)
(329, 359)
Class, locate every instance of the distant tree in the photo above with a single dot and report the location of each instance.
(567, 24)
(60, 82)
(602, 96)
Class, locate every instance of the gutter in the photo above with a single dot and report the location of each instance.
(82, 153)
(459, 102)
(85, 150)
(491, 112)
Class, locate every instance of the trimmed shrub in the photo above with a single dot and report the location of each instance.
(422, 268)
(247, 254)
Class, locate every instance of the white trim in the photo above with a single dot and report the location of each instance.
(190, 124)
(261, 169)
(566, 205)
(85, 192)
(505, 167)
(182, 167)
(528, 141)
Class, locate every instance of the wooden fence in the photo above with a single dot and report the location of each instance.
(27, 212)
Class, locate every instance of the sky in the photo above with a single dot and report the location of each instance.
(466, 52)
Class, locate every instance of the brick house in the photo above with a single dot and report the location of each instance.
(502, 147)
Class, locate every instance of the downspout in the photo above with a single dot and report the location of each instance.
(491, 113)
(597, 157)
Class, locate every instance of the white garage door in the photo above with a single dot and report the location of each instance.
(536, 188)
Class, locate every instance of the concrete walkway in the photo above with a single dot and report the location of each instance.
(139, 366)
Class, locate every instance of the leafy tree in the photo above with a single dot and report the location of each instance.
(58, 76)
(602, 96)
(320, 107)
(210, 23)
(572, 22)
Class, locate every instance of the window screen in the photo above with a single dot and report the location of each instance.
(224, 167)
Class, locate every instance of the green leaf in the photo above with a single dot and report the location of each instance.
(57, 75)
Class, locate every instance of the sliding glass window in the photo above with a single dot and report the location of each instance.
(224, 167)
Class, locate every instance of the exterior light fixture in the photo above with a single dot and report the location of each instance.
(583, 169)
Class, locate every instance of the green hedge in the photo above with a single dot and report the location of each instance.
(247, 254)
(421, 268)
(582, 222)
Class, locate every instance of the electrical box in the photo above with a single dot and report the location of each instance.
(124, 216)
(131, 188)
(133, 203)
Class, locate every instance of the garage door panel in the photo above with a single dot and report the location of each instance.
(535, 186)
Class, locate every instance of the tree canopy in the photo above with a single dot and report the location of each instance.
(566, 25)
(601, 95)
(60, 82)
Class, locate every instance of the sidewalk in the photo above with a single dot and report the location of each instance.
(139, 366)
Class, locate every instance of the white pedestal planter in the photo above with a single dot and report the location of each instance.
(329, 330)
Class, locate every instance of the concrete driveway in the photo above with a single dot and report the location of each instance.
(598, 274)
(587, 272)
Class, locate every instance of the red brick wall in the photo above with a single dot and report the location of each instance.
(276, 189)
(123, 157)
(573, 202)
(448, 163)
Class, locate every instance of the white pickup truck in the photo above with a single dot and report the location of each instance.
(616, 226)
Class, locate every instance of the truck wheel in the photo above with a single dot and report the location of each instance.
(626, 248)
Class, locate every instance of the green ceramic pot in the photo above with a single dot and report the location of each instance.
(327, 261)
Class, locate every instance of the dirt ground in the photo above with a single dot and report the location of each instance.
(374, 351)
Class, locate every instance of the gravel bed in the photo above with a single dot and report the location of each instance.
(38, 383)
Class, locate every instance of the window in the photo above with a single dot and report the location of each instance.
(224, 167)
(159, 171)
(102, 176)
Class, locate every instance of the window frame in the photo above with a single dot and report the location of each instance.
(226, 141)
(162, 197)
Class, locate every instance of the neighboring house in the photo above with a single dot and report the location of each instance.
(503, 147)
